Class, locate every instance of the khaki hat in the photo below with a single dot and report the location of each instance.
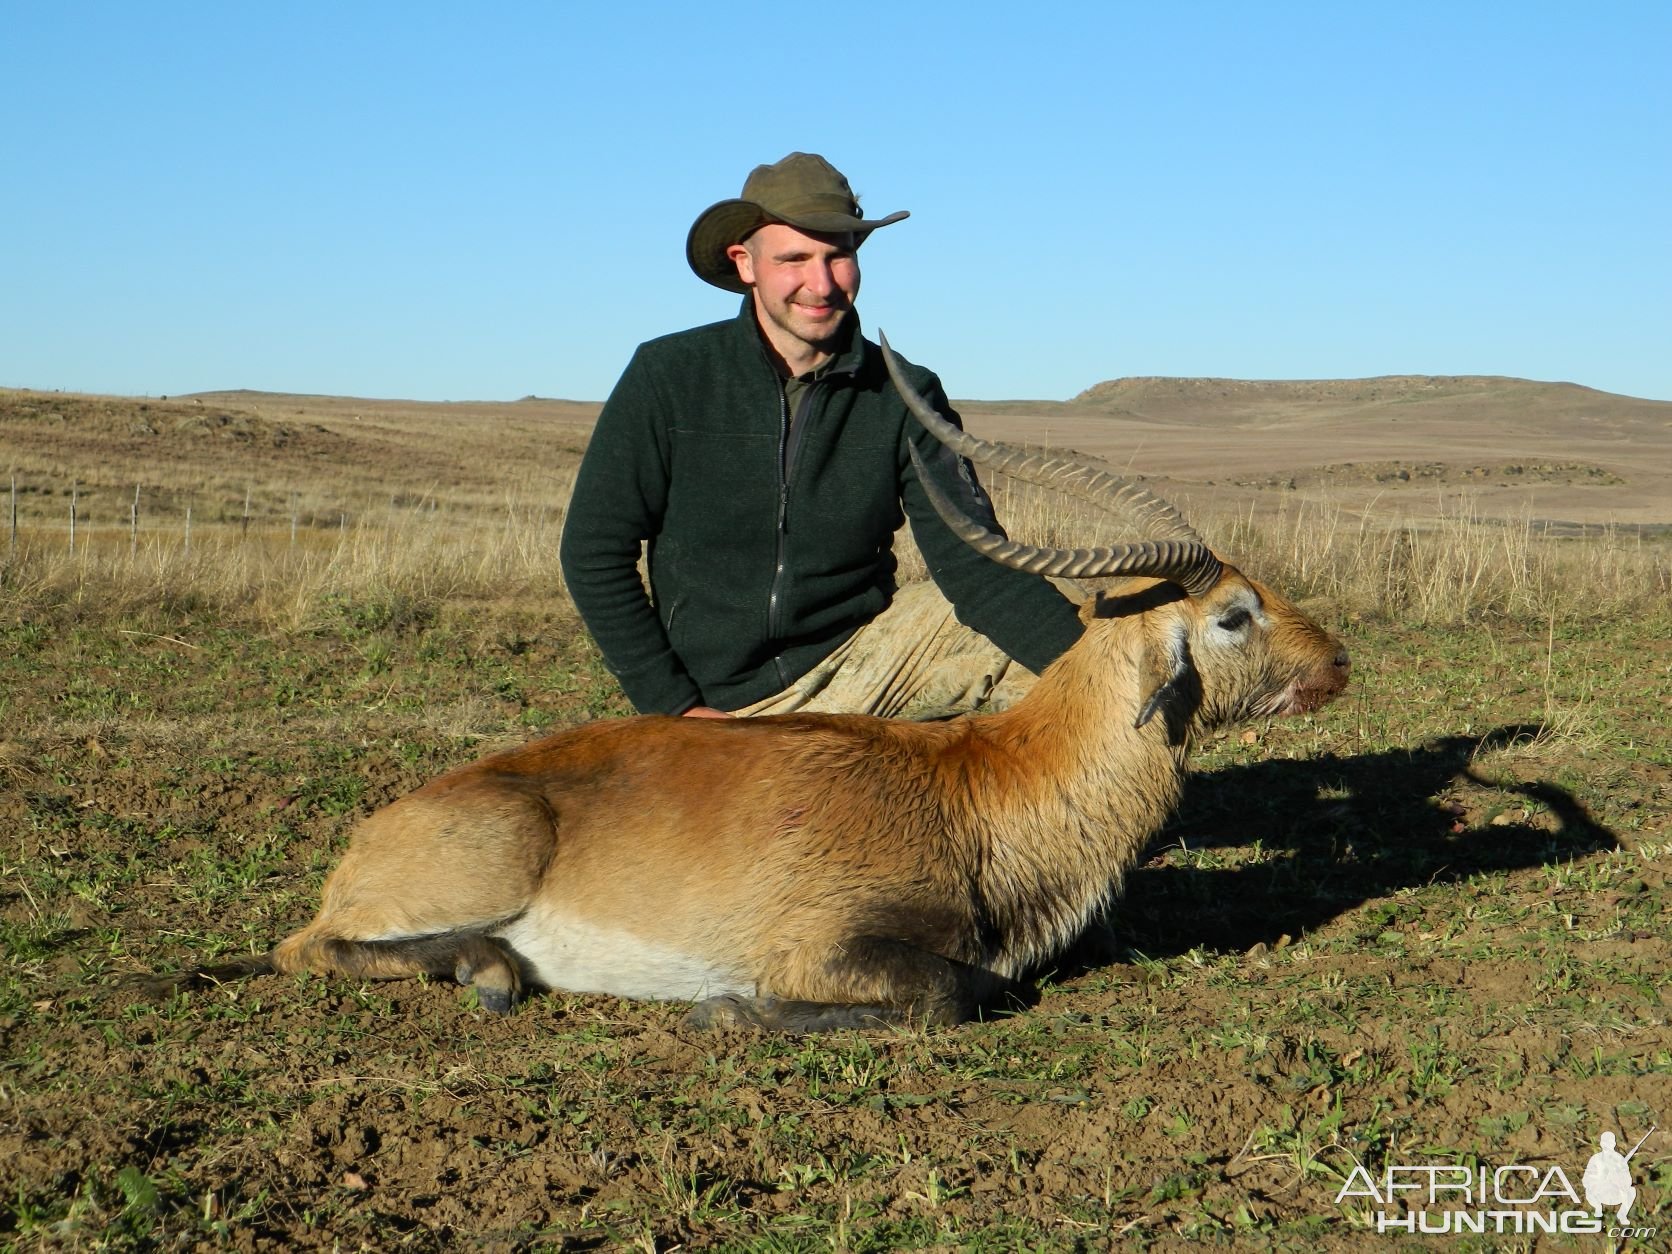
(803, 190)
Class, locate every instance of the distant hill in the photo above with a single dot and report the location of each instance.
(1477, 396)
(1411, 443)
(1399, 444)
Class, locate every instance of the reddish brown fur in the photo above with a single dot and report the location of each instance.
(813, 871)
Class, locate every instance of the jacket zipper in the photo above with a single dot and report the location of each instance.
(773, 600)
(786, 450)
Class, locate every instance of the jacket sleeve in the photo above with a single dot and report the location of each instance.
(1022, 614)
(620, 496)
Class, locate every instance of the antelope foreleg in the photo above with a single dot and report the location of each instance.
(870, 982)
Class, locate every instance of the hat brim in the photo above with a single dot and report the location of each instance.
(721, 225)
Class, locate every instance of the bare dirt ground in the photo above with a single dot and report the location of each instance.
(1424, 927)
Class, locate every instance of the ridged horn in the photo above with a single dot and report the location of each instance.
(1176, 554)
(1047, 469)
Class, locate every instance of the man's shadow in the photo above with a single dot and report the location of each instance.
(1341, 831)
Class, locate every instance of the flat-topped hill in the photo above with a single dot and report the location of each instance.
(1519, 447)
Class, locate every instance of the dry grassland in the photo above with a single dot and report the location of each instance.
(1425, 926)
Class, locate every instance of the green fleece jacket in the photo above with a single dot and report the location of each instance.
(770, 534)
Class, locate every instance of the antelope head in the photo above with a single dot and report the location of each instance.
(1219, 647)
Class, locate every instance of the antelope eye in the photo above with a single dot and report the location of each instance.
(1236, 620)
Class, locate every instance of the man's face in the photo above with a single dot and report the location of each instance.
(803, 285)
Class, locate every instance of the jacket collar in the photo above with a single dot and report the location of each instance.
(848, 359)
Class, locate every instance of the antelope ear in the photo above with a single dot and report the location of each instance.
(1164, 672)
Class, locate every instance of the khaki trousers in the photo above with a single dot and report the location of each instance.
(915, 659)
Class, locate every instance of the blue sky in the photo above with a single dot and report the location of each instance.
(489, 201)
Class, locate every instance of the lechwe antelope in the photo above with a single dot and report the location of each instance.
(815, 871)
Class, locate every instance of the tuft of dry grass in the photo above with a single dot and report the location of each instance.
(1456, 567)
(282, 511)
(292, 579)
(410, 558)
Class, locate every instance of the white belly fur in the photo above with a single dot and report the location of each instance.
(565, 953)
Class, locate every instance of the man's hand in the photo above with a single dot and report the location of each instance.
(704, 711)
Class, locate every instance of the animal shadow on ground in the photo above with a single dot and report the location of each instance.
(1346, 830)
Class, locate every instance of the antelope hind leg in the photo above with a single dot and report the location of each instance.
(871, 982)
(160, 987)
(472, 958)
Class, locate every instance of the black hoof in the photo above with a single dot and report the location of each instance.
(725, 1011)
(499, 1001)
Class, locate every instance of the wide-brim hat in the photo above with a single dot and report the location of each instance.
(803, 190)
